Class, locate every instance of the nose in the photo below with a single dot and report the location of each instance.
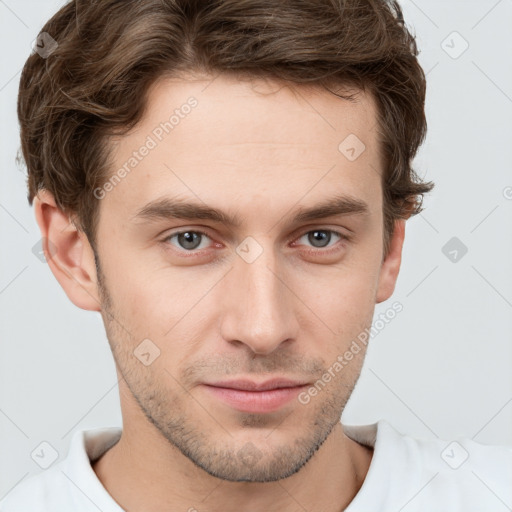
(258, 306)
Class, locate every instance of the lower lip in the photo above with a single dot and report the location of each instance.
(255, 401)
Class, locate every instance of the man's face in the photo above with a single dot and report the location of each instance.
(271, 297)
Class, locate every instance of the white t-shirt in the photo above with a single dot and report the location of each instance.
(405, 474)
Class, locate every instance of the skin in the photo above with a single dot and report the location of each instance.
(259, 150)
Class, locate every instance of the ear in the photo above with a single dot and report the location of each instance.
(68, 253)
(391, 264)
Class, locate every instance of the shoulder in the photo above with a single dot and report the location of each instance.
(459, 474)
(469, 473)
(415, 474)
(70, 484)
(44, 491)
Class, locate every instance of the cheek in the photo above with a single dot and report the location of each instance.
(343, 301)
(132, 286)
(350, 313)
(160, 302)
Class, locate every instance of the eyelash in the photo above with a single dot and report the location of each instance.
(326, 251)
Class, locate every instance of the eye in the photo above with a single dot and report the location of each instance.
(187, 240)
(192, 240)
(321, 238)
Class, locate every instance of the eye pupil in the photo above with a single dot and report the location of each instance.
(188, 239)
(324, 237)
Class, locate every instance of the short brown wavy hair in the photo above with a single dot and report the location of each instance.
(94, 83)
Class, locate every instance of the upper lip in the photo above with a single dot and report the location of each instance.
(249, 385)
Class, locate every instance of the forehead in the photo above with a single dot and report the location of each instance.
(252, 140)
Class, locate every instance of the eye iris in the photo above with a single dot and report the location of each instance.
(186, 239)
(319, 236)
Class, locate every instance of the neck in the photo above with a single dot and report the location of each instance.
(154, 475)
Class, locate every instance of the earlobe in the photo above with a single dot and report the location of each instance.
(391, 264)
(68, 253)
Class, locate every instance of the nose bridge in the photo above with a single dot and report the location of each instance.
(259, 311)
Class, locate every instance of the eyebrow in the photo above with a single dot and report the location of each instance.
(166, 208)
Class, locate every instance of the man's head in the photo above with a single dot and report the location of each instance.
(238, 174)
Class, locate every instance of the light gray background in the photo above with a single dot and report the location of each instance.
(441, 368)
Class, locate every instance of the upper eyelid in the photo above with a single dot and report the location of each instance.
(343, 236)
(295, 237)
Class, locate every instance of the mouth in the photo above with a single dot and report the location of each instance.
(256, 397)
